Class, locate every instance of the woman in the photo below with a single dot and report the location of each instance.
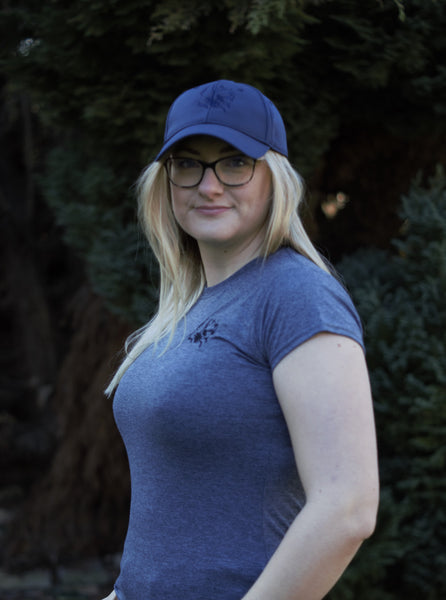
(245, 404)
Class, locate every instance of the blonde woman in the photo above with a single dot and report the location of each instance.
(244, 404)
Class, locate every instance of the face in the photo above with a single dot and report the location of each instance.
(217, 216)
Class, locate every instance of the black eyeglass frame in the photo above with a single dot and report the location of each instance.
(210, 165)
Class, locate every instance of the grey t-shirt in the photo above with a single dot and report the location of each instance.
(214, 479)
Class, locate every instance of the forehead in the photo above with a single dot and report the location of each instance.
(204, 144)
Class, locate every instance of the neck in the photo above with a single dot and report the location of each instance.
(221, 263)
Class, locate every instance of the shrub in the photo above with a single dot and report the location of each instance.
(401, 300)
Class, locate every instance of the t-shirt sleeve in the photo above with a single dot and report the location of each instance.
(301, 303)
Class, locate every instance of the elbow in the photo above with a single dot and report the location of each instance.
(362, 515)
(365, 525)
(353, 512)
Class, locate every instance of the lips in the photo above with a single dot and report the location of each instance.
(212, 209)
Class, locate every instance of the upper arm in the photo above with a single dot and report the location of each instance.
(324, 392)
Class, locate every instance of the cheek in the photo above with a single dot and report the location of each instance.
(177, 203)
(180, 205)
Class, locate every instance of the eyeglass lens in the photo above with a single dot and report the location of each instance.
(231, 171)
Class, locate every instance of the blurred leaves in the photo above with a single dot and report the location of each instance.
(101, 75)
(401, 300)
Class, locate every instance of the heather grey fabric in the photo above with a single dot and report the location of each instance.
(214, 479)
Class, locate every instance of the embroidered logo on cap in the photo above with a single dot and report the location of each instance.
(220, 96)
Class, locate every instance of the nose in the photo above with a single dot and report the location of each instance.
(210, 185)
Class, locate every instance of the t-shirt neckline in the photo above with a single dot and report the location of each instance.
(232, 279)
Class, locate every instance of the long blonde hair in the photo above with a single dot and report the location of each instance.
(181, 273)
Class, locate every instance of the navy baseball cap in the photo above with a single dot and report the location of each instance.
(237, 113)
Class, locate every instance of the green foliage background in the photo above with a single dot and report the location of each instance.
(400, 297)
(101, 75)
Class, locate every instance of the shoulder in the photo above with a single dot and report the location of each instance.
(288, 272)
(299, 300)
(287, 259)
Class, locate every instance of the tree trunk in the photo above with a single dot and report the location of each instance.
(80, 506)
(63, 468)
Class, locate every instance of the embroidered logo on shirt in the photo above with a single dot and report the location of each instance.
(203, 332)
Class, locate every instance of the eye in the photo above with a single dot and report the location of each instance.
(237, 162)
(185, 163)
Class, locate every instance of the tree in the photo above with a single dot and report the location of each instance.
(102, 75)
(400, 297)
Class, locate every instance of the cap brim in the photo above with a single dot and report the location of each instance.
(242, 142)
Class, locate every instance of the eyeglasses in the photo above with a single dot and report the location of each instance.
(232, 171)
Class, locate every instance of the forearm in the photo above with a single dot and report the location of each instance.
(312, 556)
